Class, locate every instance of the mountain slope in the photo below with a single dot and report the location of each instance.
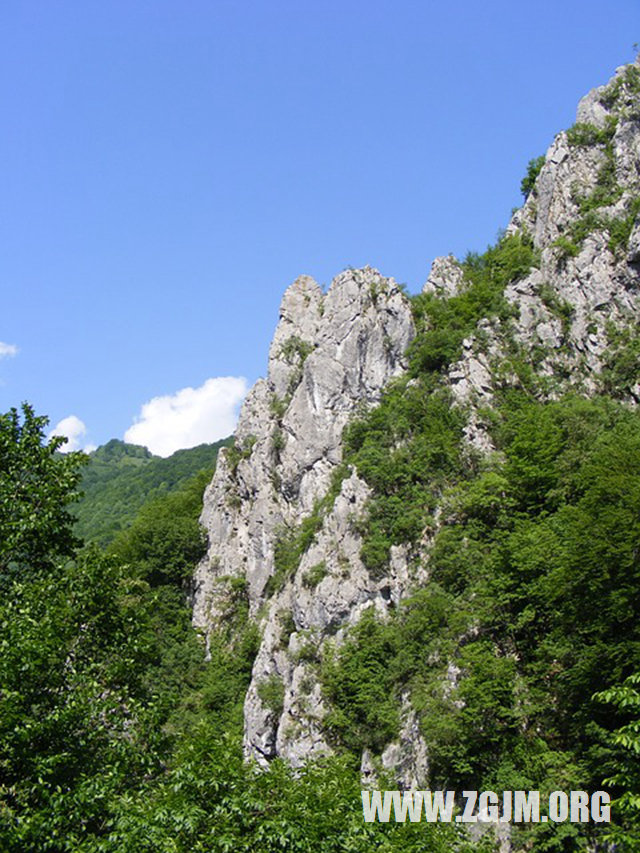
(442, 587)
(120, 478)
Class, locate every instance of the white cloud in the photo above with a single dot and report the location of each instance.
(75, 430)
(189, 417)
(8, 350)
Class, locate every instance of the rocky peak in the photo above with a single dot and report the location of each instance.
(300, 314)
(446, 277)
(331, 354)
(603, 101)
(582, 215)
(594, 166)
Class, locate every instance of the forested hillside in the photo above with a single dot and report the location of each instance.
(121, 477)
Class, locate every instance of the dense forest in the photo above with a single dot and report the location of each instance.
(119, 478)
(116, 734)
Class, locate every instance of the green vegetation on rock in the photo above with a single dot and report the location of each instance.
(442, 324)
(410, 447)
(530, 609)
(534, 167)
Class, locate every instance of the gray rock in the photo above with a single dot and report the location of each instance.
(407, 758)
(331, 355)
(633, 254)
(445, 278)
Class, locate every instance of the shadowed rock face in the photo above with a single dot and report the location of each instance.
(331, 355)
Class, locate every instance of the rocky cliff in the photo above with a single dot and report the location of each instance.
(331, 355)
(283, 514)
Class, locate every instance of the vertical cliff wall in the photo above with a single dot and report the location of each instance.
(331, 355)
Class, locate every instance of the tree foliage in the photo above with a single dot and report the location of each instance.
(531, 607)
(121, 478)
(625, 699)
(165, 541)
(534, 167)
(77, 726)
(37, 485)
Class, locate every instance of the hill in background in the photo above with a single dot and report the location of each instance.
(120, 478)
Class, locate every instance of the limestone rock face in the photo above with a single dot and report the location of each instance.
(445, 278)
(330, 355)
(333, 353)
(585, 195)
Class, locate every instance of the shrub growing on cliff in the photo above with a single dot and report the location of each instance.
(357, 682)
(443, 323)
(531, 607)
(534, 168)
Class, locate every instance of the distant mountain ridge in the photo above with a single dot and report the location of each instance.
(120, 478)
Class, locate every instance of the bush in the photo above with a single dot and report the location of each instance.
(314, 575)
(443, 323)
(357, 682)
(584, 135)
(534, 168)
(271, 693)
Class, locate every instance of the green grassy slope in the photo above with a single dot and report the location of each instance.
(120, 478)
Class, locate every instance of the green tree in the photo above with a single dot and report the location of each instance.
(534, 167)
(165, 541)
(37, 484)
(625, 698)
(78, 725)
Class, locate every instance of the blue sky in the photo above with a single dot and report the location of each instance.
(168, 168)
